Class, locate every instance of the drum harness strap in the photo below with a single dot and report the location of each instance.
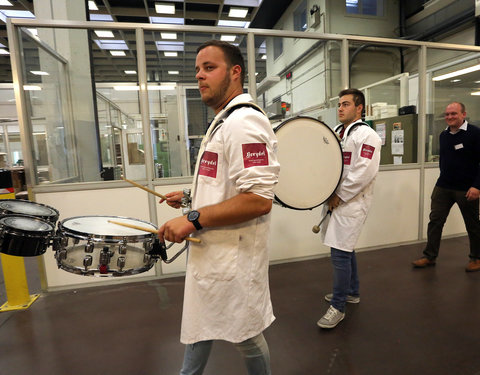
(338, 128)
(216, 126)
(230, 110)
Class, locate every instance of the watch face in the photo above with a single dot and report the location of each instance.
(193, 215)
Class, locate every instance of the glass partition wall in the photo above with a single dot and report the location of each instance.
(134, 109)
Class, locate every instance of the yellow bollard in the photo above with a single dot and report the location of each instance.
(13, 267)
(16, 284)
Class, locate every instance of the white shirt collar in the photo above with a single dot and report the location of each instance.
(463, 127)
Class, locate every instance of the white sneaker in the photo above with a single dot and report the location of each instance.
(350, 299)
(331, 318)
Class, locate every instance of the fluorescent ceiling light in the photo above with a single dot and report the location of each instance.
(110, 44)
(39, 73)
(18, 13)
(104, 34)
(228, 38)
(264, 57)
(170, 54)
(244, 3)
(101, 17)
(168, 35)
(456, 73)
(170, 46)
(117, 53)
(4, 52)
(475, 93)
(31, 88)
(168, 20)
(92, 5)
(456, 80)
(6, 3)
(173, 72)
(149, 87)
(130, 71)
(238, 12)
(165, 8)
(227, 23)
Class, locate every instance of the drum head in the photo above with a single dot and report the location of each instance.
(99, 227)
(24, 207)
(311, 163)
(26, 225)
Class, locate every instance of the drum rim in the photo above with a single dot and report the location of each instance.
(33, 203)
(341, 154)
(100, 237)
(24, 231)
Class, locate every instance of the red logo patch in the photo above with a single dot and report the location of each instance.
(208, 164)
(367, 151)
(254, 154)
(347, 157)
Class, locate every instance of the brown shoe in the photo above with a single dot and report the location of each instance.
(473, 265)
(423, 262)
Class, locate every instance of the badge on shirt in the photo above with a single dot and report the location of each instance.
(347, 157)
(367, 151)
(254, 154)
(208, 164)
(459, 146)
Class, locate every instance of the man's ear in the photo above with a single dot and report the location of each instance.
(236, 72)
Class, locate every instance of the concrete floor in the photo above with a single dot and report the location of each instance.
(409, 321)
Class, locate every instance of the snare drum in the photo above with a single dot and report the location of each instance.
(24, 207)
(91, 246)
(311, 163)
(24, 235)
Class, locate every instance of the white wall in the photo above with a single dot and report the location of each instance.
(393, 219)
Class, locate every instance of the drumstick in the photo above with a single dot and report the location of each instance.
(145, 188)
(145, 229)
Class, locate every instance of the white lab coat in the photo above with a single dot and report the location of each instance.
(227, 296)
(361, 155)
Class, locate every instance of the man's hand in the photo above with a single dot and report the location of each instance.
(472, 194)
(175, 230)
(174, 199)
(334, 201)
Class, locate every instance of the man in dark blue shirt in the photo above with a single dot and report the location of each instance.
(459, 183)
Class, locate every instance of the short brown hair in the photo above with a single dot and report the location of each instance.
(358, 97)
(233, 55)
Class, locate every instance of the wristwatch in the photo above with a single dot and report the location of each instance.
(193, 218)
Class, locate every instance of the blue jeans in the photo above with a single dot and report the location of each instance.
(254, 351)
(345, 277)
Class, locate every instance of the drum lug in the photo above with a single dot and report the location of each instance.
(122, 248)
(105, 257)
(61, 255)
(147, 258)
(87, 261)
(148, 246)
(89, 247)
(121, 263)
(64, 241)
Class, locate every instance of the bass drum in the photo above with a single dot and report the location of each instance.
(311, 163)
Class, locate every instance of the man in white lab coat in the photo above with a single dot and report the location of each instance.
(227, 296)
(349, 203)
